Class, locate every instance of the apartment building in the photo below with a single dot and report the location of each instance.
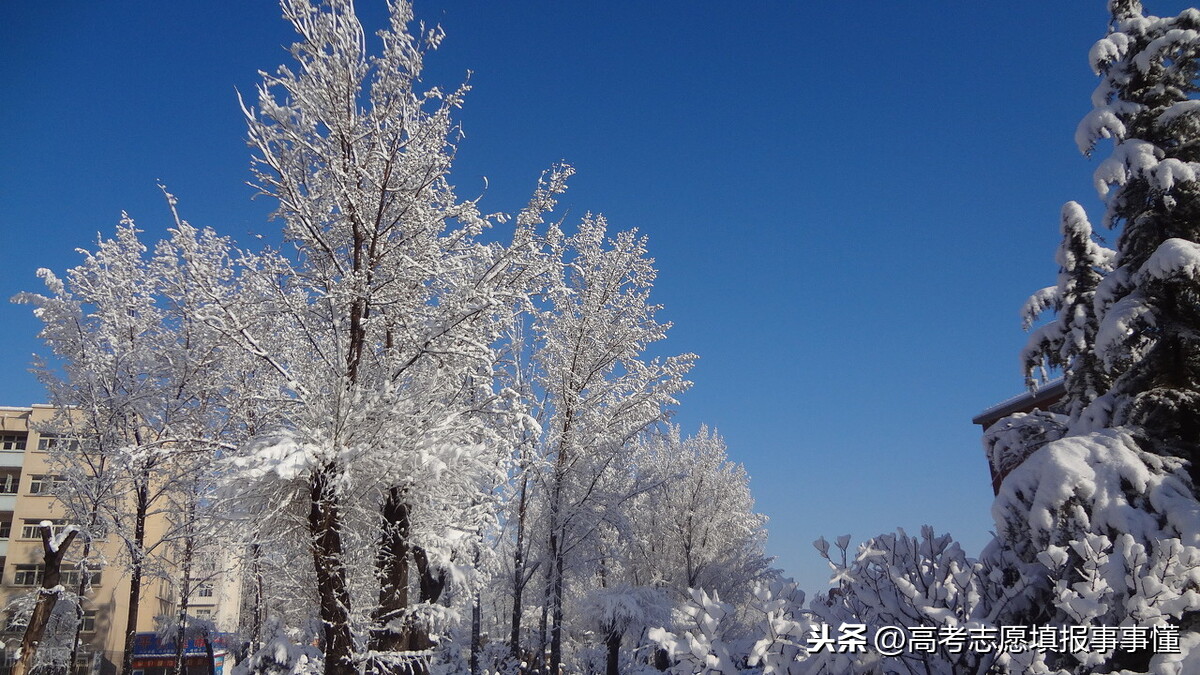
(27, 482)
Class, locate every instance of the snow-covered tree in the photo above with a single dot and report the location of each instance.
(54, 547)
(1146, 103)
(1066, 342)
(597, 392)
(136, 385)
(696, 526)
(379, 330)
(771, 635)
(1104, 520)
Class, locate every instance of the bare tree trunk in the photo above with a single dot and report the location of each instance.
(544, 620)
(212, 657)
(476, 638)
(518, 587)
(185, 590)
(557, 612)
(324, 523)
(432, 583)
(613, 642)
(554, 581)
(137, 557)
(80, 589)
(391, 564)
(256, 616)
(48, 596)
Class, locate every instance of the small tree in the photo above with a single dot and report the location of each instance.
(1066, 342)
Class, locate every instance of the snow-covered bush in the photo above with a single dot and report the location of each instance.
(701, 642)
(287, 651)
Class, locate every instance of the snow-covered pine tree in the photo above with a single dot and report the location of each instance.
(1103, 522)
(1150, 334)
(1065, 343)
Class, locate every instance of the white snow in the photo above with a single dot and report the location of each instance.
(1107, 50)
(1170, 40)
(1119, 325)
(1127, 490)
(1174, 257)
(1097, 124)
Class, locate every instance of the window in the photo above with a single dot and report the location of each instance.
(203, 613)
(32, 575)
(205, 590)
(85, 660)
(12, 441)
(9, 481)
(29, 575)
(43, 484)
(70, 578)
(88, 623)
(51, 442)
(5, 529)
(31, 529)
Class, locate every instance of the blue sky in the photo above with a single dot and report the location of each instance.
(848, 202)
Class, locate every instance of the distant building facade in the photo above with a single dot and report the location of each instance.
(27, 482)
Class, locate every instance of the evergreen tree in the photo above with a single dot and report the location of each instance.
(1102, 525)
(1066, 342)
(1149, 335)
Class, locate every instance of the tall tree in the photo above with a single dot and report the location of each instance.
(135, 380)
(380, 327)
(1146, 104)
(1101, 523)
(598, 390)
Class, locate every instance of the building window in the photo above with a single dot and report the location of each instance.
(203, 613)
(70, 578)
(205, 590)
(87, 624)
(53, 442)
(5, 529)
(32, 529)
(9, 482)
(29, 575)
(12, 441)
(43, 484)
(84, 660)
(32, 575)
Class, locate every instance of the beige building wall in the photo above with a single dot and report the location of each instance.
(26, 481)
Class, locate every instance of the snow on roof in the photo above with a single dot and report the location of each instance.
(1048, 392)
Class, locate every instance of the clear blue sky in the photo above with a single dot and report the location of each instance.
(848, 201)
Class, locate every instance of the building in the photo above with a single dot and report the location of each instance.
(27, 482)
(1002, 460)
